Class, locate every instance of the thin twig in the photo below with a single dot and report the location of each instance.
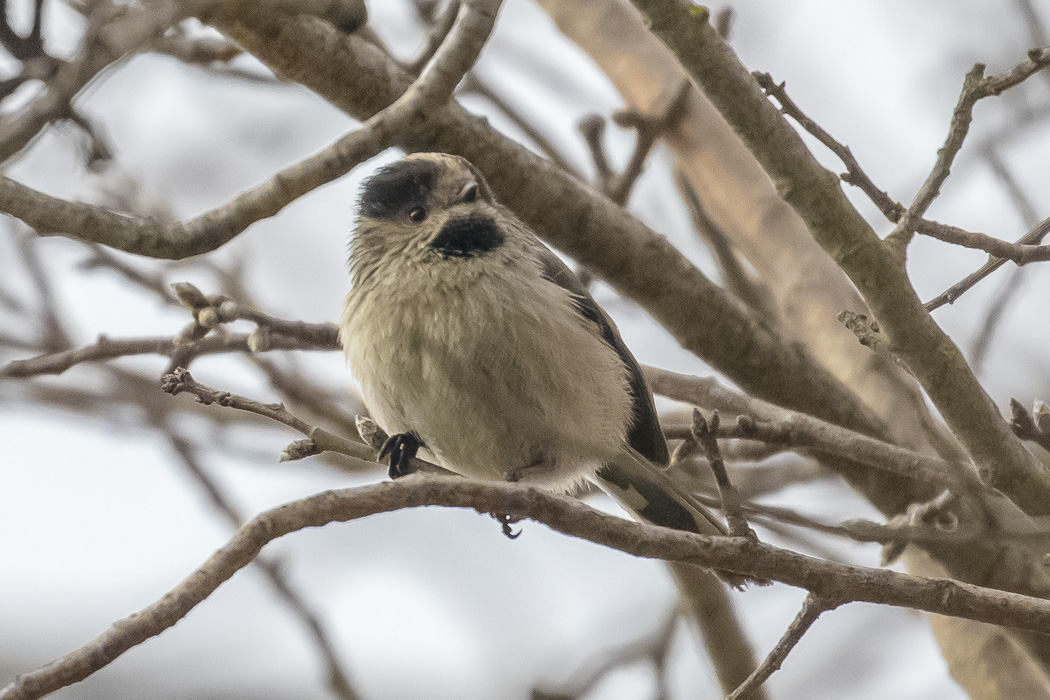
(812, 608)
(705, 433)
(950, 295)
(110, 349)
(734, 276)
(975, 87)
(1019, 253)
(854, 174)
(996, 310)
(181, 381)
(318, 439)
(826, 580)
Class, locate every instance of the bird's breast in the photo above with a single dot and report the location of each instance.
(493, 375)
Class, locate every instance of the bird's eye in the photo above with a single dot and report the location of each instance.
(417, 214)
(470, 193)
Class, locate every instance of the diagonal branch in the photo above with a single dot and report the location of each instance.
(181, 381)
(1032, 238)
(764, 421)
(148, 236)
(338, 679)
(812, 608)
(827, 580)
(876, 268)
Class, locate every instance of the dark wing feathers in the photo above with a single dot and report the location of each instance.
(645, 435)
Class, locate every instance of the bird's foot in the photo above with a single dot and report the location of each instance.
(506, 521)
(402, 449)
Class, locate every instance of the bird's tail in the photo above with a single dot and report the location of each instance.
(649, 494)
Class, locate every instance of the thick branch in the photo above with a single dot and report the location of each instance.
(148, 236)
(827, 580)
(877, 269)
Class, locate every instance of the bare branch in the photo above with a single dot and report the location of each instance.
(854, 174)
(705, 433)
(812, 608)
(107, 349)
(1020, 253)
(318, 439)
(208, 231)
(876, 268)
(975, 87)
(181, 381)
(1033, 237)
(827, 580)
(338, 680)
(773, 424)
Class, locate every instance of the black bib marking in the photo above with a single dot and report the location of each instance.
(467, 238)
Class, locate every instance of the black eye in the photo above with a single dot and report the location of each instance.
(417, 214)
(470, 192)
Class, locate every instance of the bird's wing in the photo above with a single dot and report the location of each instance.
(645, 435)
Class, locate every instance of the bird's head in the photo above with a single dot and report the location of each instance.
(428, 207)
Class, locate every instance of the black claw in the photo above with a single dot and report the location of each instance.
(402, 449)
(506, 521)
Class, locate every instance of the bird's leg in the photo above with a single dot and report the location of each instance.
(540, 467)
(402, 449)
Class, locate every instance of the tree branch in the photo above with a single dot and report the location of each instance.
(338, 680)
(107, 349)
(1032, 238)
(705, 433)
(876, 268)
(827, 580)
(773, 424)
(812, 608)
(148, 236)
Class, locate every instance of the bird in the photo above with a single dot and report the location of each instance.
(475, 345)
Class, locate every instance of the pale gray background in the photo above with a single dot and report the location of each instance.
(96, 522)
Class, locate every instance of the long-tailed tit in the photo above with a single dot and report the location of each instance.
(473, 342)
